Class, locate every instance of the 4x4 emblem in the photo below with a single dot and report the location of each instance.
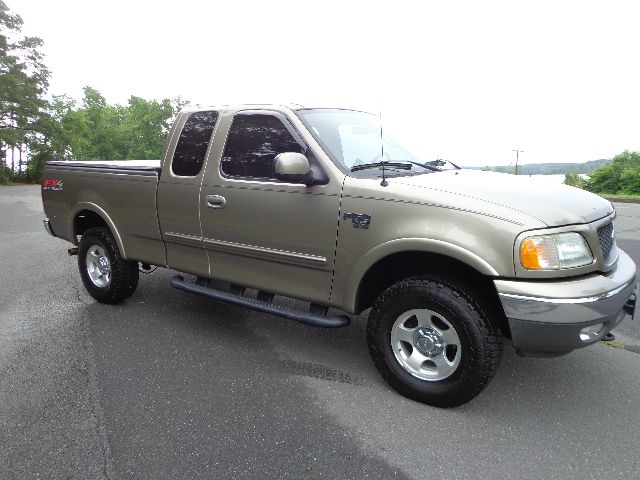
(359, 220)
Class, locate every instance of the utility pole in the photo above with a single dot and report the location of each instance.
(518, 152)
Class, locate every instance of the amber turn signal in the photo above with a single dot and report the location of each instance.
(529, 255)
(538, 253)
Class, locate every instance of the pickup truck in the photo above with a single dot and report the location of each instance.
(315, 204)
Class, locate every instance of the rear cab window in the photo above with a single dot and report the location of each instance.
(193, 143)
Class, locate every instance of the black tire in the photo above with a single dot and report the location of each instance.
(481, 342)
(123, 273)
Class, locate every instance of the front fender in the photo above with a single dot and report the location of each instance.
(409, 245)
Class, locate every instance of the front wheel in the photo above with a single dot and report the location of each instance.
(432, 341)
(105, 274)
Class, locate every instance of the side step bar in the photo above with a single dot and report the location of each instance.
(308, 318)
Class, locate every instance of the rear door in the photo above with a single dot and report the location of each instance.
(260, 232)
(179, 193)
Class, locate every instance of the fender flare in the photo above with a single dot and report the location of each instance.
(92, 207)
(400, 245)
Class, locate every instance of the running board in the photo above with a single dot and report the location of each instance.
(308, 318)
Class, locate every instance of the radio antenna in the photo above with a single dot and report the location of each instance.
(384, 182)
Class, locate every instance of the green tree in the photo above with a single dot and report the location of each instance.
(97, 130)
(630, 182)
(54, 142)
(621, 175)
(24, 80)
(145, 126)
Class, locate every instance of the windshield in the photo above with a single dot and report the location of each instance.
(354, 140)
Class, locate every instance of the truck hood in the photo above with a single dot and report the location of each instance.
(552, 204)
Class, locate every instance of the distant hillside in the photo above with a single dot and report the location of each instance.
(548, 168)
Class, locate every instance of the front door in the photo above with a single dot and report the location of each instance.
(262, 233)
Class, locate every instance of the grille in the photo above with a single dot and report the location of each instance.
(607, 240)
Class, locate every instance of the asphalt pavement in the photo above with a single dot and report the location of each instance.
(169, 385)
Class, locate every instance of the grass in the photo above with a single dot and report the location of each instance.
(21, 184)
(621, 197)
(13, 183)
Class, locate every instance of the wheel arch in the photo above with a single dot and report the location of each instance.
(86, 215)
(399, 259)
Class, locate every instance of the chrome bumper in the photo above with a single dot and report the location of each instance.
(549, 318)
(47, 226)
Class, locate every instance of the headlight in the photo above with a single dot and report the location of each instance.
(555, 252)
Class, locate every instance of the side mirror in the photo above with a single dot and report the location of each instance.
(293, 167)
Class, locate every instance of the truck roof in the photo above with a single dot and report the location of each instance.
(242, 106)
(267, 106)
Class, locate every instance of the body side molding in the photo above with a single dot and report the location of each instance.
(294, 258)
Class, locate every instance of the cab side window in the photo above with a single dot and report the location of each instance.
(252, 144)
(193, 143)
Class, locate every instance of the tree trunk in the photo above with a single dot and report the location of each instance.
(13, 161)
(20, 159)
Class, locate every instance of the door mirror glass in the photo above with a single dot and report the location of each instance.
(293, 167)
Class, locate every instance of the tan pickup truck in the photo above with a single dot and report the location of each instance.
(317, 205)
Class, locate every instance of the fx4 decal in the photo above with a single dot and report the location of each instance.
(52, 184)
(359, 220)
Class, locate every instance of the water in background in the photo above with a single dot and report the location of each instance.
(549, 179)
(545, 178)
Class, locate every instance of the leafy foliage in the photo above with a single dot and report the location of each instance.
(574, 180)
(96, 130)
(620, 176)
(24, 80)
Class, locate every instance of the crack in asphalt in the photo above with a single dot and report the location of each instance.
(79, 295)
(91, 385)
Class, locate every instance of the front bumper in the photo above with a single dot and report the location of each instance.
(549, 318)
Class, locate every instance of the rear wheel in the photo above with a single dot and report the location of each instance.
(432, 341)
(105, 274)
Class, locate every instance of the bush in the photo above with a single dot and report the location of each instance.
(620, 176)
(5, 175)
(574, 180)
(630, 182)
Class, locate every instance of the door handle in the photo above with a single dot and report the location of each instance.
(216, 201)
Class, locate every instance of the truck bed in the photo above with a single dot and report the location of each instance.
(122, 192)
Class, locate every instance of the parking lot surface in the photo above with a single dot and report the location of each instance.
(169, 385)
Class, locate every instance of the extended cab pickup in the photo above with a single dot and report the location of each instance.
(314, 204)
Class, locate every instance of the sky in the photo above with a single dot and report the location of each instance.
(467, 81)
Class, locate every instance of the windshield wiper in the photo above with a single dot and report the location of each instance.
(427, 165)
(441, 163)
(434, 165)
(398, 165)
